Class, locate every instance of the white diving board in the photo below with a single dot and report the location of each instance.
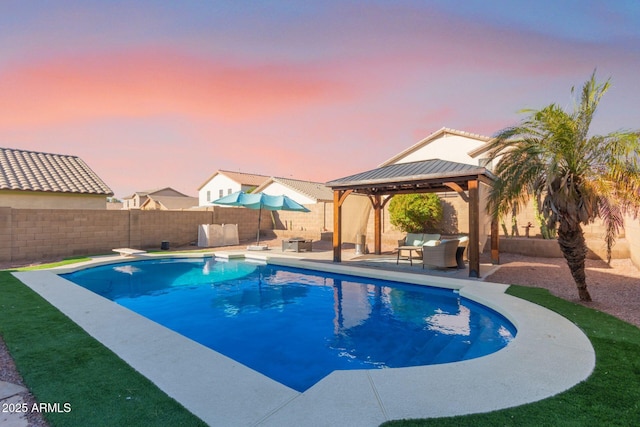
(125, 252)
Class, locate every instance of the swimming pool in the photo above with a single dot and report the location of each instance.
(297, 326)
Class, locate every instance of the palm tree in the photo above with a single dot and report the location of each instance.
(575, 177)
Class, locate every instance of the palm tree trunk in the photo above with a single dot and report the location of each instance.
(574, 249)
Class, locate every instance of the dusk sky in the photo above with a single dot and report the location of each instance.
(158, 94)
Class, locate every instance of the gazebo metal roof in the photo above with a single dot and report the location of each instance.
(423, 176)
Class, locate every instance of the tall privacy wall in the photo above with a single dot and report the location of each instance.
(36, 234)
(632, 230)
(309, 225)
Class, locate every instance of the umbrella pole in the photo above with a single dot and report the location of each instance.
(259, 217)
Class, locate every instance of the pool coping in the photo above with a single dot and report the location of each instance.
(548, 355)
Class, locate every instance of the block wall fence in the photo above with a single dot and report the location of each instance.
(35, 234)
(632, 229)
(456, 221)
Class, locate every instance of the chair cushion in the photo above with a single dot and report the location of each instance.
(431, 243)
(414, 239)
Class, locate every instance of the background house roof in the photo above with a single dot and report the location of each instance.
(154, 191)
(173, 202)
(435, 135)
(56, 173)
(239, 177)
(314, 190)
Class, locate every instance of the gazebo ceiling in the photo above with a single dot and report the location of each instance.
(425, 176)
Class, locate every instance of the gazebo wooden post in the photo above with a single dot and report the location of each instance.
(337, 226)
(474, 229)
(339, 197)
(377, 223)
(495, 242)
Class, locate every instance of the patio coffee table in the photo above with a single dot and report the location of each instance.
(417, 249)
(297, 245)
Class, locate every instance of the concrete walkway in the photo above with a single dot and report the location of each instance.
(548, 356)
(9, 400)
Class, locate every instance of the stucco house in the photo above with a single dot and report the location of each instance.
(303, 192)
(224, 182)
(138, 199)
(447, 144)
(37, 180)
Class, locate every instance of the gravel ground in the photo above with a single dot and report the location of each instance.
(615, 289)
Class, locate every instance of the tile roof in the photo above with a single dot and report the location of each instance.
(144, 193)
(239, 177)
(58, 173)
(314, 190)
(245, 178)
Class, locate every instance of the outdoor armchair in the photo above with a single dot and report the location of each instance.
(442, 255)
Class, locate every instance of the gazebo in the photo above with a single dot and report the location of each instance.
(427, 176)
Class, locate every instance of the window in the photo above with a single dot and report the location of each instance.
(229, 191)
(221, 193)
(208, 195)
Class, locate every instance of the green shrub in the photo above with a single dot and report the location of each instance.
(416, 213)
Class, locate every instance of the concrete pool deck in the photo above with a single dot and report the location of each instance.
(548, 355)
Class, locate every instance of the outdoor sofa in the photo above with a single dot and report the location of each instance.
(446, 252)
(413, 242)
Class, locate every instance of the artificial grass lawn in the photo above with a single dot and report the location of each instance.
(61, 363)
(610, 396)
(66, 261)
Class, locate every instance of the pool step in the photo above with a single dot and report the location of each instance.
(477, 348)
(452, 351)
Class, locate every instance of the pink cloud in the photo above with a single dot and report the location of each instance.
(142, 83)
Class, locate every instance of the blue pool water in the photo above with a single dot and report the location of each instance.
(297, 326)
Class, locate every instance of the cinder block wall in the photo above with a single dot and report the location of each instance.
(35, 234)
(632, 227)
(45, 233)
(455, 221)
(318, 220)
(596, 230)
(150, 228)
(247, 220)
